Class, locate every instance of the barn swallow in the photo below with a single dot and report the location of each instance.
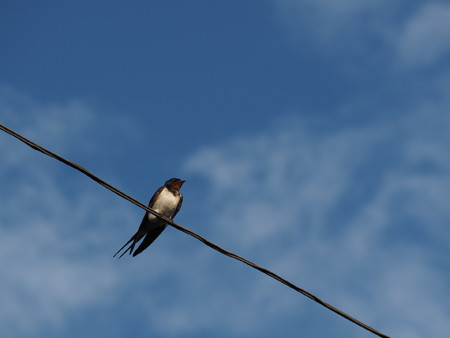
(167, 201)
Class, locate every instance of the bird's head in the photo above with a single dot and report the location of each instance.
(174, 183)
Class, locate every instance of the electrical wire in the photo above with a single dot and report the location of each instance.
(189, 232)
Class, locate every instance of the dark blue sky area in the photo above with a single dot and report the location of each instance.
(187, 62)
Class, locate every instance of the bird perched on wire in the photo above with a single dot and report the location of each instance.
(167, 201)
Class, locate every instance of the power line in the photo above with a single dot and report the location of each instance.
(189, 232)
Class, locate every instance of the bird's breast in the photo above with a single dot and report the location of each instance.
(165, 204)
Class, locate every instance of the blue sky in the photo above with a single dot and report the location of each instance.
(313, 136)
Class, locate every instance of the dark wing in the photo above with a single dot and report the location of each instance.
(151, 236)
(154, 197)
(138, 235)
(180, 202)
(145, 223)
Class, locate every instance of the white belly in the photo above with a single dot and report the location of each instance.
(165, 204)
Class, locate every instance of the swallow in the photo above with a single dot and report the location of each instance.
(167, 201)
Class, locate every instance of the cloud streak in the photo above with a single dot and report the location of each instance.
(409, 35)
(47, 226)
(425, 37)
(360, 211)
(356, 215)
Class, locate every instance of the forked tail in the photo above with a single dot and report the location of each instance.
(130, 247)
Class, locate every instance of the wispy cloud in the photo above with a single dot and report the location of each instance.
(354, 214)
(425, 37)
(50, 233)
(338, 27)
(410, 35)
(358, 212)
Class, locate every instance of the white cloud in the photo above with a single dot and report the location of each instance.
(416, 35)
(358, 214)
(327, 210)
(280, 173)
(58, 125)
(41, 284)
(334, 25)
(58, 233)
(50, 233)
(425, 37)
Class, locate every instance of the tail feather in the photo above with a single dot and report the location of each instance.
(131, 239)
(130, 248)
(149, 238)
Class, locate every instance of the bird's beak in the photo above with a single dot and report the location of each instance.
(177, 185)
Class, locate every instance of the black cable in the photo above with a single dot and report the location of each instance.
(189, 232)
